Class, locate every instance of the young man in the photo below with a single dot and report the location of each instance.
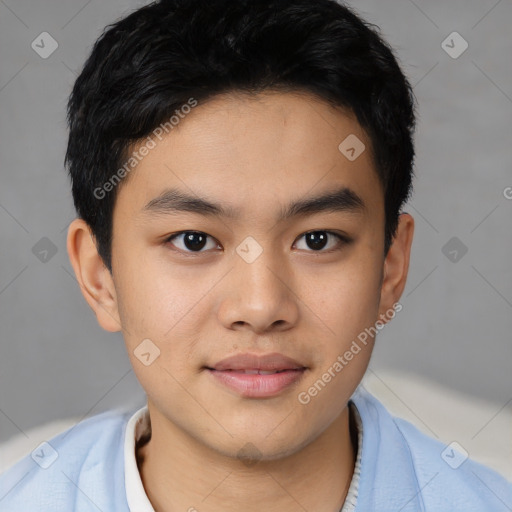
(239, 169)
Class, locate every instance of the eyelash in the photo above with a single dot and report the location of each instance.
(342, 241)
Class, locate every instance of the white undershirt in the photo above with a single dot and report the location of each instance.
(138, 500)
(136, 495)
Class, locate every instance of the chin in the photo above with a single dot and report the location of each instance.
(251, 449)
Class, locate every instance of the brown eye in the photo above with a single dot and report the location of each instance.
(319, 239)
(190, 241)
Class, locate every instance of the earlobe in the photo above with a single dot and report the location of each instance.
(93, 277)
(396, 265)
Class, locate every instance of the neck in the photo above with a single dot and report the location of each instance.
(181, 474)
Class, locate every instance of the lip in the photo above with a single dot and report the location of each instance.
(231, 373)
(266, 362)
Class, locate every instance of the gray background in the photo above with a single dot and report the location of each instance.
(457, 318)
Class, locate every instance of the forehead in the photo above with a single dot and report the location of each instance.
(255, 153)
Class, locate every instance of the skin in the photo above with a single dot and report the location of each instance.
(257, 154)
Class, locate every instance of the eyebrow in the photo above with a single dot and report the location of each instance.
(173, 201)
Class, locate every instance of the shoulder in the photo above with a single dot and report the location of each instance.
(452, 474)
(422, 473)
(80, 468)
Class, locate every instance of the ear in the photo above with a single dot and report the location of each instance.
(396, 266)
(93, 277)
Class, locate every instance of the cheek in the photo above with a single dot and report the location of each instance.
(348, 301)
(348, 308)
(164, 307)
(154, 301)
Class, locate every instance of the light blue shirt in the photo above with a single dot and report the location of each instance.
(401, 469)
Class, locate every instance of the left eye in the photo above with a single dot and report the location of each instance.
(317, 240)
(195, 241)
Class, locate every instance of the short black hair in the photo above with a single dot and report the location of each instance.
(146, 66)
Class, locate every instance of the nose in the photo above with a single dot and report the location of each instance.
(259, 296)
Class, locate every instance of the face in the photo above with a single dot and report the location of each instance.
(248, 274)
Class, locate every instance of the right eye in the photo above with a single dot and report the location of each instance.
(190, 241)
